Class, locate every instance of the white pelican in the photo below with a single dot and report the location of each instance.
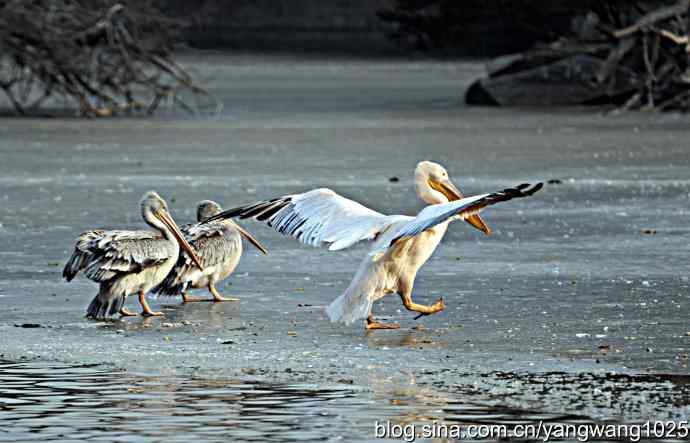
(129, 262)
(402, 244)
(218, 245)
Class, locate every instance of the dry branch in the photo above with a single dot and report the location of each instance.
(100, 57)
(649, 50)
(653, 17)
(677, 39)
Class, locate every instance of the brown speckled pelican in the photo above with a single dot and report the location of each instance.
(218, 245)
(401, 243)
(129, 262)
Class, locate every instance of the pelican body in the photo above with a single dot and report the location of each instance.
(401, 244)
(218, 246)
(128, 262)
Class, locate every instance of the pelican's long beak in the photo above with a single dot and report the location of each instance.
(250, 238)
(184, 244)
(452, 193)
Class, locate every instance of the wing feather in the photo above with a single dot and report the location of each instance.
(463, 208)
(319, 217)
(103, 255)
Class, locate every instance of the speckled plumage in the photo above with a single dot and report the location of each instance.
(103, 255)
(125, 262)
(218, 244)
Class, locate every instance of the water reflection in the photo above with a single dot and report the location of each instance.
(53, 402)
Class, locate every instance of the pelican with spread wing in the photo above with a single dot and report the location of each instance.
(129, 262)
(218, 245)
(402, 244)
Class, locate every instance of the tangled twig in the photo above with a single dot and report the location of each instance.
(100, 56)
(650, 44)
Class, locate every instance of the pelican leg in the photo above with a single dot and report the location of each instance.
(145, 310)
(126, 313)
(371, 324)
(189, 299)
(217, 297)
(422, 309)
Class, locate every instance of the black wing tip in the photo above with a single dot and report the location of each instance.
(230, 213)
(527, 192)
(522, 190)
(255, 209)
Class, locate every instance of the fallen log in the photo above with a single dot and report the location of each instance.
(644, 65)
(568, 81)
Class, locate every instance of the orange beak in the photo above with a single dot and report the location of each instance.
(184, 244)
(452, 193)
(250, 238)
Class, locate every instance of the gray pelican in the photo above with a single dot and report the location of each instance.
(401, 244)
(218, 245)
(129, 262)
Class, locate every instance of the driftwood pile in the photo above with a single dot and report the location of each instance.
(97, 56)
(640, 60)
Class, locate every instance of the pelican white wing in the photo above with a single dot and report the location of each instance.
(319, 217)
(461, 209)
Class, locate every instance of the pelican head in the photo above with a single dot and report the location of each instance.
(206, 209)
(155, 212)
(435, 187)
